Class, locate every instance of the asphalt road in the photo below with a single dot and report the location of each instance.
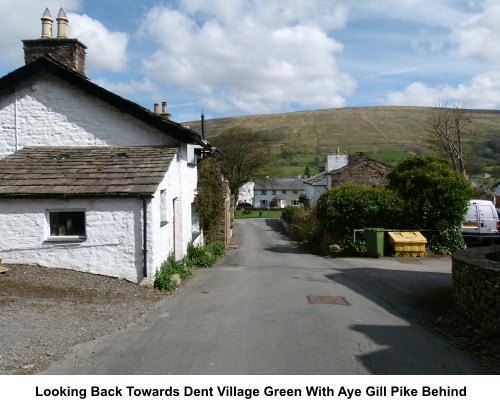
(270, 308)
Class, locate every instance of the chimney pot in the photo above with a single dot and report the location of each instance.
(62, 24)
(155, 108)
(164, 107)
(47, 24)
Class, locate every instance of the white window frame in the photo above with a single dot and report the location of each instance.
(64, 238)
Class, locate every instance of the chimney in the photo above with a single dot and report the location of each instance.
(62, 25)
(47, 24)
(69, 52)
(155, 108)
(335, 161)
(202, 125)
(164, 112)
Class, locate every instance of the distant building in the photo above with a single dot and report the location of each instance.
(278, 193)
(342, 168)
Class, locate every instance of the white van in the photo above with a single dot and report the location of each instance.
(481, 222)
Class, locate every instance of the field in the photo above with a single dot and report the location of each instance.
(239, 214)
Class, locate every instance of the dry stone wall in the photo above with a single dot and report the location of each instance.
(476, 286)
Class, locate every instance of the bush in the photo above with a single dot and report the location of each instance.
(288, 213)
(435, 196)
(343, 209)
(163, 277)
(436, 199)
(204, 256)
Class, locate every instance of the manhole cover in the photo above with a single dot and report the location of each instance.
(322, 299)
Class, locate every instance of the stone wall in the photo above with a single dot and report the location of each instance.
(476, 286)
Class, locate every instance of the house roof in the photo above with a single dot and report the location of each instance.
(72, 172)
(280, 184)
(46, 64)
(314, 180)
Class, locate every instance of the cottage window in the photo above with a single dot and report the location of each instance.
(295, 202)
(263, 192)
(283, 191)
(195, 223)
(163, 208)
(295, 191)
(263, 202)
(274, 192)
(66, 225)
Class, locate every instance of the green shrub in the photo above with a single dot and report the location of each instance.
(343, 209)
(435, 195)
(204, 256)
(288, 213)
(435, 198)
(218, 249)
(163, 277)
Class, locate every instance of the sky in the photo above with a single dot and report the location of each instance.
(230, 58)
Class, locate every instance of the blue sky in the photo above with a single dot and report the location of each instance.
(243, 57)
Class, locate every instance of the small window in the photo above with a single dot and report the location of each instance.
(263, 192)
(67, 225)
(295, 203)
(295, 191)
(263, 202)
(274, 192)
(163, 208)
(283, 191)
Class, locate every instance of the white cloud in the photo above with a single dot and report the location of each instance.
(477, 37)
(482, 91)
(106, 50)
(240, 56)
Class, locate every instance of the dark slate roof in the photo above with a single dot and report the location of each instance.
(73, 172)
(47, 64)
(280, 184)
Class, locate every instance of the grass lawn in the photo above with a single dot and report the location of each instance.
(238, 214)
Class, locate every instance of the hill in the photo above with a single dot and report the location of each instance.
(389, 134)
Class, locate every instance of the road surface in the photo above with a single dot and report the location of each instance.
(269, 308)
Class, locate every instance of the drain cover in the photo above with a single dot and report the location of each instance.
(325, 299)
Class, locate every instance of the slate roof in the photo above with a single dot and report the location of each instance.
(46, 64)
(280, 184)
(73, 172)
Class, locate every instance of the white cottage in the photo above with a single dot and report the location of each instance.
(89, 180)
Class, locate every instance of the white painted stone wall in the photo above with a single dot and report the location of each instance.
(49, 112)
(113, 228)
(313, 192)
(180, 184)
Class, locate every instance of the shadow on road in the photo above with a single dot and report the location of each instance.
(275, 225)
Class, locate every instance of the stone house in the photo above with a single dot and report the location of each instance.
(89, 180)
(342, 168)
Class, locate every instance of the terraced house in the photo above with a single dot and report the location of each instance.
(89, 180)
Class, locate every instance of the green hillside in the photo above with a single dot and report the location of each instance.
(388, 134)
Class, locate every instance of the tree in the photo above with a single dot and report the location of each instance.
(435, 199)
(448, 130)
(209, 201)
(247, 156)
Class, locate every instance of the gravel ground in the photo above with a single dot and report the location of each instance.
(46, 311)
